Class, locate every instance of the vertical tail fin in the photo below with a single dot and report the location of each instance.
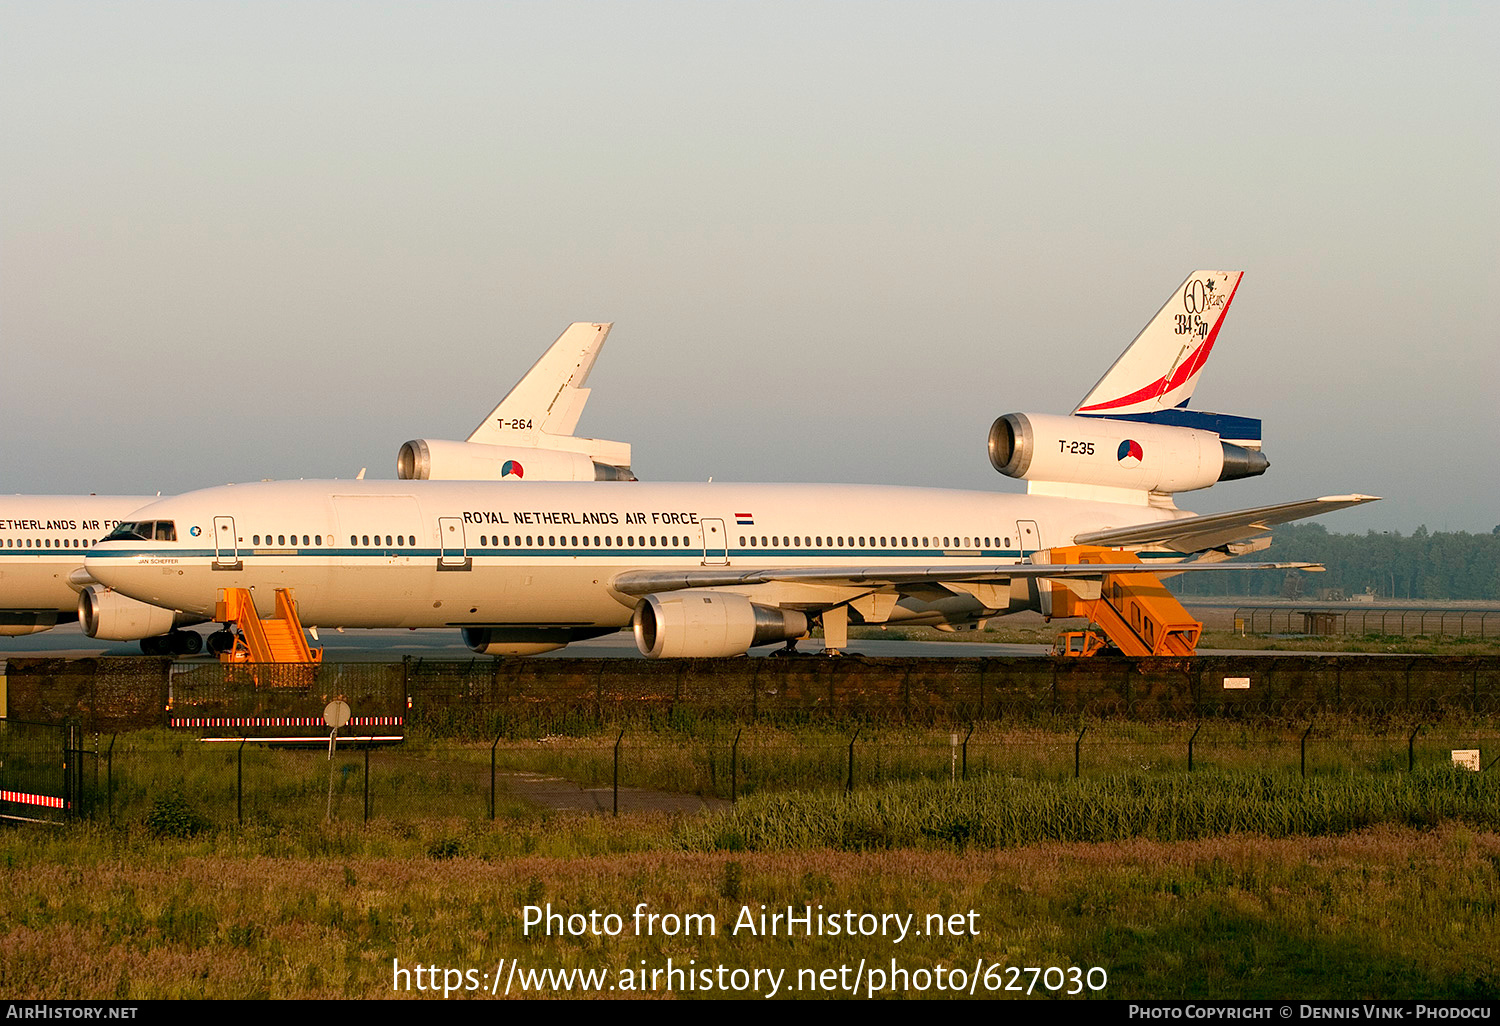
(1160, 368)
(550, 398)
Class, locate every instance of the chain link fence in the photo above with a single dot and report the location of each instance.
(176, 746)
(175, 783)
(482, 697)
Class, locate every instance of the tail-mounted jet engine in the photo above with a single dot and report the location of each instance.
(424, 459)
(694, 624)
(1099, 451)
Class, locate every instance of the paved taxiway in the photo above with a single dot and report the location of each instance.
(69, 642)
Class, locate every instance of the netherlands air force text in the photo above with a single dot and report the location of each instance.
(572, 518)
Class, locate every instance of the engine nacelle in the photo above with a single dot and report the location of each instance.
(695, 624)
(514, 641)
(109, 615)
(1116, 453)
(424, 459)
(18, 623)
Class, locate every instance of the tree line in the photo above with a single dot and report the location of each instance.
(1442, 565)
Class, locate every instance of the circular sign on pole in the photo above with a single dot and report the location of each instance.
(336, 713)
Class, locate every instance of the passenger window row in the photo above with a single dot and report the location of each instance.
(47, 543)
(585, 541)
(872, 541)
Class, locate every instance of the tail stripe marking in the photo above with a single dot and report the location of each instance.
(1191, 366)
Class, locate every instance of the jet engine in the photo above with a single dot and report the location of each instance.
(694, 624)
(514, 641)
(436, 460)
(16, 623)
(1110, 453)
(109, 615)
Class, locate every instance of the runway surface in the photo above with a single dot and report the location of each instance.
(69, 642)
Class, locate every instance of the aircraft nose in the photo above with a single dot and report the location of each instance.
(99, 568)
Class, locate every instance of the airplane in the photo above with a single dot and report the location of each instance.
(42, 542)
(707, 570)
(528, 436)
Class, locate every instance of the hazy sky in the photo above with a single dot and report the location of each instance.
(837, 240)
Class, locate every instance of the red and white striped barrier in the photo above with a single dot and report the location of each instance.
(22, 798)
(280, 721)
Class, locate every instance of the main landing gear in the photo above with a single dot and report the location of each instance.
(177, 643)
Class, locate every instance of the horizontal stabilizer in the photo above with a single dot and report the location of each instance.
(1198, 534)
(1244, 431)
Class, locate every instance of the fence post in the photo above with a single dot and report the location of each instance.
(109, 777)
(1411, 749)
(1077, 749)
(617, 771)
(1305, 733)
(849, 785)
(239, 783)
(492, 776)
(734, 768)
(66, 736)
(367, 783)
(1190, 745)
(966, 750)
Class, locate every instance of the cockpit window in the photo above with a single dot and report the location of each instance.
(129, 531)
(144, 530)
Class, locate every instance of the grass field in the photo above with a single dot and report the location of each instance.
(1239, 879)
(712, 757)
(1017, 631)
(1385, 911)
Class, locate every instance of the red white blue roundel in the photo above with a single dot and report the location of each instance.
(1130, 450)
(512, 468)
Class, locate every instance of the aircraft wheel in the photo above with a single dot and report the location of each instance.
(154, 646)
(185, 642)
(220, 641)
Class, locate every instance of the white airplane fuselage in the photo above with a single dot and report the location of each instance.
(451, 554)
(43, 539)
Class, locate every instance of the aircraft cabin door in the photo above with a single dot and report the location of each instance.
(226, 545)
(715, 543)
(1030, 539)
(453, 553)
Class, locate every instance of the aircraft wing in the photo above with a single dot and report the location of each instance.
(647, 582)
(1199, 534)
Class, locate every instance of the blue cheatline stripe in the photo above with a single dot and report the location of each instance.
(968, 555)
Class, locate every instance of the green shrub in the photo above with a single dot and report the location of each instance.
(172, 815)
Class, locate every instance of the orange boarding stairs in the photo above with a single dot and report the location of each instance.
(277, 639)
(1135, 610)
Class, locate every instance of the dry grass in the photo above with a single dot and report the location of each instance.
(1383, 913)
